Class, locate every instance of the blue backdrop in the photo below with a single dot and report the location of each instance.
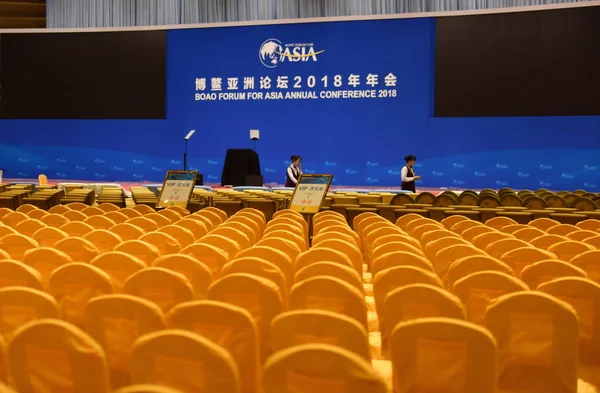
(352, 98)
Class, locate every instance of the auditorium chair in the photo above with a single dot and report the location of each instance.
(545, 320)
(229, 326)
(233, 279)
(183, 360)
(53, 355)
(419, 347)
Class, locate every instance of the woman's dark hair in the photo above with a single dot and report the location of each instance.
(410, 158)
(294, 158)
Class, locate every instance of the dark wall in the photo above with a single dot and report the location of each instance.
(112, 75)
(539, 63)
(361, 141)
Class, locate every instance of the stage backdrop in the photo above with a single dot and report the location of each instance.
(352, 98)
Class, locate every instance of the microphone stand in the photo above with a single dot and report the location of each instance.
(185, 156)
(186, 138)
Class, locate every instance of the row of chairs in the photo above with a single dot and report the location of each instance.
(274, 225)
(523, 205)
(232, 268)
(143, 196)
(322, 291)
(477, 263)
(506, 197)
(42, 197)
(112, 195)
(12, 197)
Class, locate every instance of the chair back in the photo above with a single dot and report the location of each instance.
(432, 248)
(29, 227)
(229, 326)
(21, 305)
(197, 273)
(163, 287)
(544, 271)
(241, 238)
(127, 231)
(291, 249)
(543, 223)
(477, 290)
(119, 266)
(274, 256)
(400, 276)
(538, 342)
(443, 355)
(413, 302)
(473, 264)
(14, 273)
(330, 294)
(519, 258)
(471, 233)
(115, 322)
(140, 249)
(50, 355)
(589, 261)
(483, 240)
(146, 224)
(562, 229)
(257, 295)
(76, 228)
(73, 285)
(184, 236)
(197, 227)
(500, 222)
(261, 268)
(100, 222)
(315, 255)
(103, 239)
(230, 246)
(502, 246)
(329, 269)
(528, 234)
(45, 260)
(319, 327)
(183, 360)
(79, 249)
(350, 249)
(165, 243)
(567, 250)
(320, 368)
(546, 241)
(449, 221)
(584, 296)
(16, 245)
(400, 258)
(448, 255)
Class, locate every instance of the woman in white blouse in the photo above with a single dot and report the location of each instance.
(293, 172)
(408, 175)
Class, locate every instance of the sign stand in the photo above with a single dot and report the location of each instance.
(177, 189)
(310, 192)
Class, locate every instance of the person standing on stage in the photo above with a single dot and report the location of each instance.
(293, 172)
(408, 175)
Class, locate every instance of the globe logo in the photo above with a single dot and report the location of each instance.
(269, 53)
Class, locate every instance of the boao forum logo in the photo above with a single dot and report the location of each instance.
(272, 52)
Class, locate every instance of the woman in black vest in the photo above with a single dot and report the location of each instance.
(293, 172)
(408, 175)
